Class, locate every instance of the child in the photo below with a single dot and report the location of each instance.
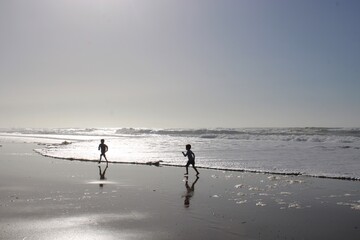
(104, 148)
(191, 159)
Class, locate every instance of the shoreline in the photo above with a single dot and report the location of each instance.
(210, 168)
(44, 198)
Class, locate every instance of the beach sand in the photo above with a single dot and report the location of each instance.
(45, 198)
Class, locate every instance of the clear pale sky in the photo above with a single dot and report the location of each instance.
(179, 63)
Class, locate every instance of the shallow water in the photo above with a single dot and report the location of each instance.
(321, 152)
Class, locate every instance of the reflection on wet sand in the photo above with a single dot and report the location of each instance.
(102, 175)
(189, 191)
(81, 226)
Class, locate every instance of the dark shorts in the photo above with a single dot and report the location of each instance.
(190, 162)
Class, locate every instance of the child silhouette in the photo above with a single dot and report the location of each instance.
(191, 159)
(104, 148)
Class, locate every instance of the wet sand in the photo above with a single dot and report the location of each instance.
(44, 198)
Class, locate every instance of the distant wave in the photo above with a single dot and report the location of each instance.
(338, 135)
(341, 135)
(60, 131)
(355, 132)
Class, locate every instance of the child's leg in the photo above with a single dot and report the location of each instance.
(197, 172)
(187, 167)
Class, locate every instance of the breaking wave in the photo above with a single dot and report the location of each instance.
(337, 135)
(340, 135)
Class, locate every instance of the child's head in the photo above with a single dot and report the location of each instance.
(102, 140)
(188, 146)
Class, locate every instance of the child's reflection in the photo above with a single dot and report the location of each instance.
(102, 174)
(189, 191)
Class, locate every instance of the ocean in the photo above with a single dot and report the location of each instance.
(316, 152)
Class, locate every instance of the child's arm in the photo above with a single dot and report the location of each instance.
(184, 154)
(106, 148)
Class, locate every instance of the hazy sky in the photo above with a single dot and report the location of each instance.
(179, 63)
